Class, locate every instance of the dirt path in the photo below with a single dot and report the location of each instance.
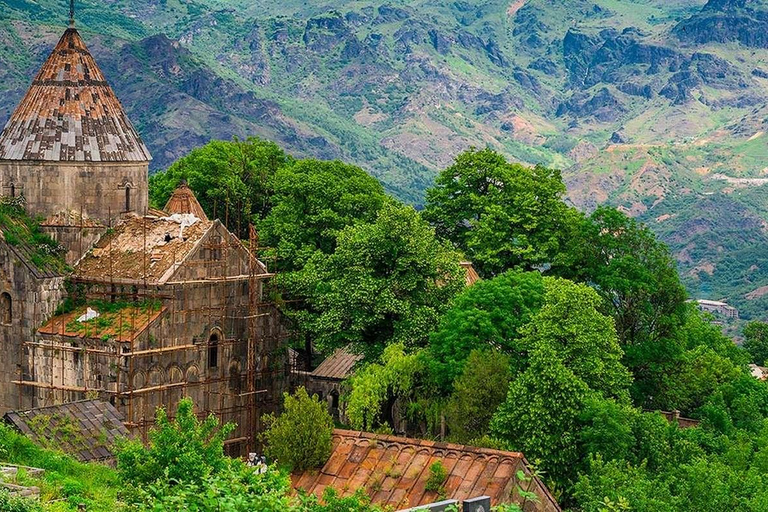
(515, 6)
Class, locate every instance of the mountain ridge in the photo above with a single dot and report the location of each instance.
(642, 103)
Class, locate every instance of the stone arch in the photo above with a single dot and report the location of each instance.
(175, 374)
(6, 308)
(139, 380)
(214, 345)
(193, 373)
(156, 376)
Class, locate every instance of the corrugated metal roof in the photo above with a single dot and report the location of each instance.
(71, 114)
(338, 366)
(86, 429)
(395, 471)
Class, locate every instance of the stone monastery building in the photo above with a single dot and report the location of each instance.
(140, 307)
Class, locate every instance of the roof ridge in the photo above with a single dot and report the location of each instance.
(426, 443)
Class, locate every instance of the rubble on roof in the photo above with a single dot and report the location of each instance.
(142, 248)
(121, 322)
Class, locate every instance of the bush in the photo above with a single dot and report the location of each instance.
(300, 438)
(10, 503)
(184, 449)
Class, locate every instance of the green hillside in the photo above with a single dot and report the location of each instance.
(652, 105)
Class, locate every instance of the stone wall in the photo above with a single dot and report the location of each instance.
(97, 189)
(195, 315)
(32, 302)
(77, 240)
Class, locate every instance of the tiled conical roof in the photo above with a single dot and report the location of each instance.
(183, 200)
(71, 114)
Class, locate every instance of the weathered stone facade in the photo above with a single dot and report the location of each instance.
(28, 296)
(102, 191)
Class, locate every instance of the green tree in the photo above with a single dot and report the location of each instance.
(540, 415)
(231, 180)
(184, 449)
(500, 215)
(387, 282)
(756, 341)
(637, 278)
(397, 374)
(313, 201)
(584, 339)
(490, 314)
(477, 393)
(300, 437)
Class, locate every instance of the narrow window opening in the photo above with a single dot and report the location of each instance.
(6, 308)
(13, 190)
(213, 351)
(127, 199)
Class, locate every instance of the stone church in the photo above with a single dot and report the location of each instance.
(136, 306)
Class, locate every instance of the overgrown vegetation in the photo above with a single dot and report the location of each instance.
(18, 228)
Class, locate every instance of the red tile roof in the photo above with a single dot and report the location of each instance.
(471, 276)
(394, 471)
(71, 114)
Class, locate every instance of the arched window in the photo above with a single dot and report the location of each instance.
(127, 199)
(6, 308)
(213, 351)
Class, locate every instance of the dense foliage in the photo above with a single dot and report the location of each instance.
(501, 215)
(300, 437)
(579, 328)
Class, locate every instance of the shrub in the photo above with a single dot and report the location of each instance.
(300, 438)
(10, 503)
(437, 477)
(184, 449)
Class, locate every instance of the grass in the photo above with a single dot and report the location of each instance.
(18, 228)
(66, 482)
(115, 318)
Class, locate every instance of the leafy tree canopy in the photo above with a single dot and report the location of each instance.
(501, 215)
(637, 278)
(387, 282)
(490, 314)
(477, 393)
(756, 341)
(231, 180)
(313, 201)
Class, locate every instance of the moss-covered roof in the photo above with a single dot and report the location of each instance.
(41, 253)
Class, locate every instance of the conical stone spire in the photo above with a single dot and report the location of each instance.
(71, 114)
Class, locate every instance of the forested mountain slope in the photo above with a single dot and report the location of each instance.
(658, 106)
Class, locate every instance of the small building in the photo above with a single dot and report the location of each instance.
(327, 379)
(394, 472)
(718, 308)
(759, 372)
(87, 429)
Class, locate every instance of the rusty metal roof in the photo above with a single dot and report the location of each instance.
(338, 366)
(86, 429)
(71, 114)
(183, 201)
(394, 471)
